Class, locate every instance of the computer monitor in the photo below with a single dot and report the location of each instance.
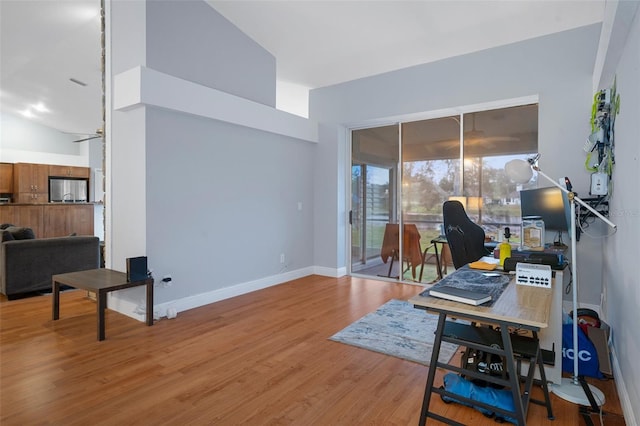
(551, 204)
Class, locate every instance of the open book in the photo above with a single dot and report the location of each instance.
(460, 295)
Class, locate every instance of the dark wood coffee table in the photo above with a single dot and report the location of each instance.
(100, 281)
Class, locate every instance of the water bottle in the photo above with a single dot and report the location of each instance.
(505, 247)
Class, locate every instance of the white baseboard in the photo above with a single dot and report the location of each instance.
(202, 299)
(621, 388)
(330, 272)
(130, 308)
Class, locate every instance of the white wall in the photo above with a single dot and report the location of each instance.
(25, 141)
(125, 233)
(556, 68)
(621, 291)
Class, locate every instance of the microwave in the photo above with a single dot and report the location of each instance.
(68, 190)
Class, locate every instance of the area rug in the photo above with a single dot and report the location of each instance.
(397, 329)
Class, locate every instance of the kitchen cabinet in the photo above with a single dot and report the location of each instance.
(69, 171)
(65, 219)
(27, 216)
(6, 214)
(30, 183)
(30, 216)
(50, 220)
(6, 178)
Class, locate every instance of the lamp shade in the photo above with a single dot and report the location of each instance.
(519, 171)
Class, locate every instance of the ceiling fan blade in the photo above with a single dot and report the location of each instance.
(88, 139)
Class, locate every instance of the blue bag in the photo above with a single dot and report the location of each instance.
(587, 356)
(500, 398)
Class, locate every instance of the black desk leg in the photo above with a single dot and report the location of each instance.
(101, 304)
(543, 379)
(432, 368)
(150, 303)
(435, 246)
(514, 379)
(56, 300)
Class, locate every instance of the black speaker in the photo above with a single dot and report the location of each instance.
(137, 268)
(510, 263)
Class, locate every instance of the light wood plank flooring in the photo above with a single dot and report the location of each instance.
(259, 359)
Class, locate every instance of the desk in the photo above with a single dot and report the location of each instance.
(100, 282)
(520, 307)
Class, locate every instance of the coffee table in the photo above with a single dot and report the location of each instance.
(100, 281)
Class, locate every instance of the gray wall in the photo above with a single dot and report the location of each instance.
(193, 41)
(557, 68)
(222, 203)
(621, 286)
(210, 203)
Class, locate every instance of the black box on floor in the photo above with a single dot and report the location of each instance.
(137, 268)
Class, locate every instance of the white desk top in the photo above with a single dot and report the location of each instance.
(518, 304)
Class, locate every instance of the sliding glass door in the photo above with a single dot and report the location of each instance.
(373, 197)
(402, 174)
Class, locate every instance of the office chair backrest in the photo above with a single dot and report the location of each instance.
(465, 238)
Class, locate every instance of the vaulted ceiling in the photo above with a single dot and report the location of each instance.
(47, 44)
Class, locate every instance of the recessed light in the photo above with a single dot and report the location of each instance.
(27, 113)
(40, 107)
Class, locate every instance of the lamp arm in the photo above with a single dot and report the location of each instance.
(574, 197)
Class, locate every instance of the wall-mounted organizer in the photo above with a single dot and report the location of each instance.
(584, 217)
(600, 144)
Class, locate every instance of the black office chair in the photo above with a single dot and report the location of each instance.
(465, 238)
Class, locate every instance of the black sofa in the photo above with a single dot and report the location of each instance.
(27, 265)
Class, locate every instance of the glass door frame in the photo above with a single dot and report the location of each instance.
(395, 206)
(399, 120)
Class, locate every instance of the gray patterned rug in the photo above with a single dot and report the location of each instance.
(397, 329)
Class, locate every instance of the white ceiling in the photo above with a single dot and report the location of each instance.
(44, 43)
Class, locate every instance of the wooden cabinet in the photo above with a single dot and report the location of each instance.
(51, 220)
(69, 171)
(6, 178)
(31, 217)
(6, 214)
(30, 183)
(62, 219)
(27, 216)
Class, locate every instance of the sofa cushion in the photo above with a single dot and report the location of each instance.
(21, 233)
(7, 236)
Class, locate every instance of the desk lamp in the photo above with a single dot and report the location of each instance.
(521, 171)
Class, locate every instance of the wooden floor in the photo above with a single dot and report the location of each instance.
(259, 359)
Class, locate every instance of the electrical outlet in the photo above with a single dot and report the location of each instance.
(282, 258)
(599, 184)
(167, 281)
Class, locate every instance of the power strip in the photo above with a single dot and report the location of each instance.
(533, 274)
